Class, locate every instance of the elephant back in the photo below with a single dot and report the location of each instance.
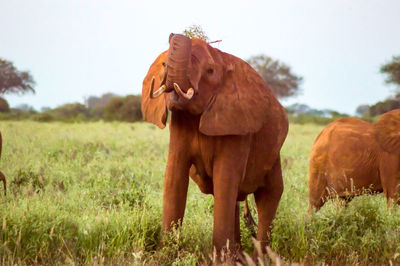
(387, 131)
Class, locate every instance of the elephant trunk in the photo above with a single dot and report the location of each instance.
(178, 62)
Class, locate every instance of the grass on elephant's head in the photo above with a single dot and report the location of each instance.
(92, 193)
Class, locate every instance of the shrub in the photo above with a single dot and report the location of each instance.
(43, 117)
(70, 111)
(124, 109)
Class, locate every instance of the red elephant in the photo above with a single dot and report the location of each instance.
(226, 132)
(351, 156)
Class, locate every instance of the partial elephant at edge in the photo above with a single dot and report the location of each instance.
(351, 156)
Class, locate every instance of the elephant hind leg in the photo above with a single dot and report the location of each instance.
(248, 218)
(390, 177)
(267, 200)
(3, 179)
(237, 226)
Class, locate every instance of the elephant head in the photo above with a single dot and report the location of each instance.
(387, 132)
(226, 92)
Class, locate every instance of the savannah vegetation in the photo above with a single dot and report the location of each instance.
(91, 193)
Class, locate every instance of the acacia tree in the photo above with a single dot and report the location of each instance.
(392, 70)
(13, 80)
(277, 75)
(363, 110)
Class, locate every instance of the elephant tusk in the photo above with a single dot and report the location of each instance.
(157, 92)
(188, 95)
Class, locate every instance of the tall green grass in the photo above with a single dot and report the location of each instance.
(91, 193)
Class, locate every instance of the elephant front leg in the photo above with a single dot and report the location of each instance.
(228, 171)
(225, 214)
(267, 201)
(175, 189)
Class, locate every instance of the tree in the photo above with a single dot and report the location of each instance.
(392, 69)
(362, 110)
(13, 80)
(383, 107)
(277, 76)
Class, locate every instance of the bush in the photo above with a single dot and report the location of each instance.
(96, 112)
(70, 111)
(43, 117)
(306, 119)
(124, 109)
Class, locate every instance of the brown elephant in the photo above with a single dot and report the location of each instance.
(226, 132)
(2, 177)
(351, 156)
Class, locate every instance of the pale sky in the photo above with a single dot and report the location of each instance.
(78, 48)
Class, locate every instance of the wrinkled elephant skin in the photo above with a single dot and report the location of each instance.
(226, 132)
(351, 156)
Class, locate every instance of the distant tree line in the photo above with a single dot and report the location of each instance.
(392, 72)
(108, 107)
(302, 114)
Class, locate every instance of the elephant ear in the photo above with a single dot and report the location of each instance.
(155, 110)
(387, 131)
(242, 103)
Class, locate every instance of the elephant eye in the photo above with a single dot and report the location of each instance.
(164, 64)
(210, 71)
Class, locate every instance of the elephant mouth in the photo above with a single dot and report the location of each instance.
(188, 95)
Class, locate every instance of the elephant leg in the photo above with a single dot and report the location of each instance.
(225, 214)
(3, 179)
(267, 200)
(237, 225)
(176, 183)
(248, 218)
(390, 177)
(228, 170)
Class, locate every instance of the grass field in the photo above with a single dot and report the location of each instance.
(91, 193)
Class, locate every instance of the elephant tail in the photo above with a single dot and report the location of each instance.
(387, 131)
